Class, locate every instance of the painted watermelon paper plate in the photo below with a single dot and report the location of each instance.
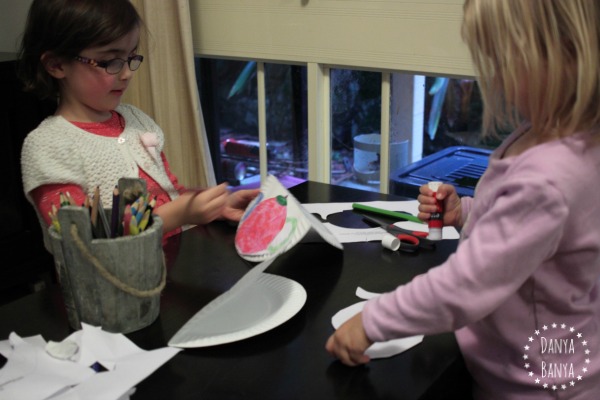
(274, 222)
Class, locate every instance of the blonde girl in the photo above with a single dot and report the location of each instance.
(525, 275)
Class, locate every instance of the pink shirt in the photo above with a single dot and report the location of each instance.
(529, 257)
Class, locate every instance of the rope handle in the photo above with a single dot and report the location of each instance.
(113, 279)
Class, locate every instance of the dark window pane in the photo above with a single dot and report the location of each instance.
(355, 118)
(229, 99)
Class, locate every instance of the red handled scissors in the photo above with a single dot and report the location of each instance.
(410, 241)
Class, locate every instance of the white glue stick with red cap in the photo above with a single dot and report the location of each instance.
(436, 221)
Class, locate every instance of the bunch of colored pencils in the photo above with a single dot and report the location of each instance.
(65, 199)
(100, 228)
(136, 216)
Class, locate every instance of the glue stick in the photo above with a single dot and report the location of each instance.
(436, 221)
(390, 242)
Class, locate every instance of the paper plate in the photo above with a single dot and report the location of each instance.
(274, 222)
(246, 310)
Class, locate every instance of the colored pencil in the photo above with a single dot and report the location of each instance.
(133, 226)
(144, 222)
(126, 219)
(104, 226)
(70, 199)
(114, 216)
(141, 209)
(63, 199)
(95, 201)
(54, 220)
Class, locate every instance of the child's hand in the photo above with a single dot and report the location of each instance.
(349, 342)
(207, 205)
(237, 203)
(195, 207)
(447, 194)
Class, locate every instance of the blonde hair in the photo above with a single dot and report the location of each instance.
(545, 51)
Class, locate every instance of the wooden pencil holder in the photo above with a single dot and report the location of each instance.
(112, 283)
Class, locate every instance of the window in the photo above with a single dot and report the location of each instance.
(427, 115)
(355, 125)
(229, 99)
(321, 36)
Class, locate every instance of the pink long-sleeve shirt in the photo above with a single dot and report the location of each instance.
(522, 290)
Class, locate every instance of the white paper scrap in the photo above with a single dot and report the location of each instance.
(364, 294)
(129, 371)
(32, 373)
(62, 350)
(378, 349)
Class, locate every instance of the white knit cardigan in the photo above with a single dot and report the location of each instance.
(59, 152)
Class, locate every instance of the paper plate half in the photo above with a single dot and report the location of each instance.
(246, 310)
(274, 222)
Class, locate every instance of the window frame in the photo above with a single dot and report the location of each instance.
(292, 33)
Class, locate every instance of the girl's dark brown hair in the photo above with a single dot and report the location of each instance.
(66, 27)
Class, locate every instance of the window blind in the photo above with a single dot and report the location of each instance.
(419, 37)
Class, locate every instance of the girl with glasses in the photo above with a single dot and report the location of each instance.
(84, 53)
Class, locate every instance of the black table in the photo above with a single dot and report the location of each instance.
(288, 362)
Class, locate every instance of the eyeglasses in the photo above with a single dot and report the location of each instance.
(115, 65)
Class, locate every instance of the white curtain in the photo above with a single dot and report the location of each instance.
(165, 88)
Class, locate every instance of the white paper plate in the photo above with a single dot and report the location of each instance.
(254, 240)
(242, 312)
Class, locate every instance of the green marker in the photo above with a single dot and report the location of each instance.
(388, 213)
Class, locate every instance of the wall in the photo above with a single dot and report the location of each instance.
(393, 35)
(353, 33)
(13, 14)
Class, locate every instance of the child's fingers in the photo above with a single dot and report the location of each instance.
(248, 194)
(425, 191)
(242, 198)
(444, 191)
(345, 354)
(216, 191)
(427, 205)
(214, 196)
(330, 346)
(425, 200)
(208, 204)
(349, 342)
(217, 202)
(335, 348)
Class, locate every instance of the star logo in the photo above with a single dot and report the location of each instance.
(551, 346)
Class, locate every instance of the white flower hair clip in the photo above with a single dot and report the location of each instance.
(150, 142)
